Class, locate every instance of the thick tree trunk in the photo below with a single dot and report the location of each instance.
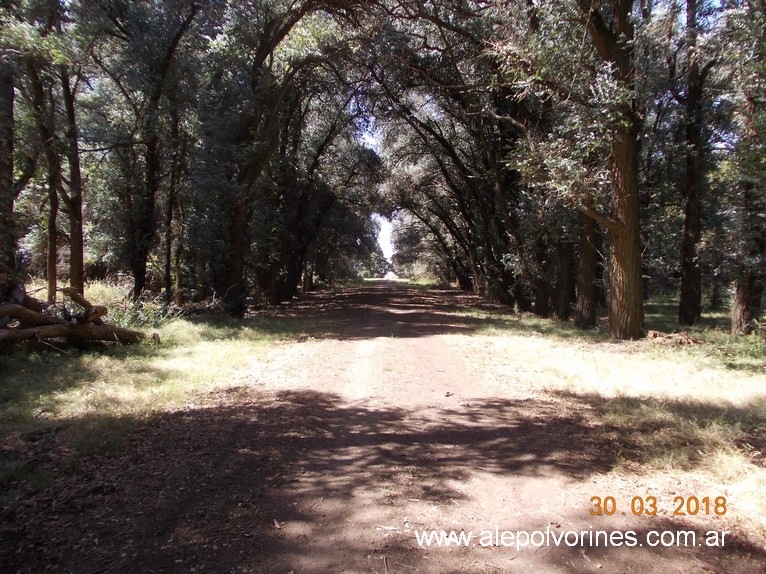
(690, 306)
(748, 295)
(613, 40)
(585, 308)
(73, 199)
(749, 289)
(626, 304)
(7, 196)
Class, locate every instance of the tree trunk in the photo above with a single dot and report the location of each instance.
(690, 306)
(748, 295)
(51, 259)
(47, 135)
(585, 308)
(168, 279)
(308, 277)
(614, 43)
(73, 199)
(144, 203)
(749, 289)
(565, 280)
(626, 304)
(172, 199)
(7, 196)
(234, 292)
(541, 285)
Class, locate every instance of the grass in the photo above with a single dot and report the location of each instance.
(104, 390)
(678, 410)
(694, 413)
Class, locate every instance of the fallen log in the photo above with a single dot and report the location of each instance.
(30, 321)
(28, 316)
(13, 291)
(80, 332)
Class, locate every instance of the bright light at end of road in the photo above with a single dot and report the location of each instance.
(384, 237)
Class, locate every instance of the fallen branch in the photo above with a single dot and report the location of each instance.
(27, 316)
(79, 332)
(681, 338)
(29, 322)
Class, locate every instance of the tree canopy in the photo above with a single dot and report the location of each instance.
(552, 156)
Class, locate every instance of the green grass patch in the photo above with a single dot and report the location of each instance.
(98, 392)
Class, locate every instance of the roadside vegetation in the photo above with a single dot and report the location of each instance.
(691, 400)
(689, 409)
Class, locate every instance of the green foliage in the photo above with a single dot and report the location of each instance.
(491, 124)
(144, 312)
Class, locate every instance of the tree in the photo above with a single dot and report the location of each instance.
(746, 25)
(591, 92)
(611, 30)
(690, 96)
(138, 49)
(7, 195)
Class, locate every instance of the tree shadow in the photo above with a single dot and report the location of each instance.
(647, 429)
(270, 484)
(389, 309)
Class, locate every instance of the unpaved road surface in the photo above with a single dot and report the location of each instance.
(334, 452)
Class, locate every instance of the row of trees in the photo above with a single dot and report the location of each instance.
(533, 137)
(238, 147)
(206, 146)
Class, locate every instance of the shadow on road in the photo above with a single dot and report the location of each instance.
(389, 309)
(271, 483)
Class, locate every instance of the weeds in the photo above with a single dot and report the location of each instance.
(147, 312)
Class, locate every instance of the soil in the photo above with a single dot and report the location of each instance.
(330, 454)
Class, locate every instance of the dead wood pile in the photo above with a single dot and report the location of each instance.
(24, 318)
(681, 338)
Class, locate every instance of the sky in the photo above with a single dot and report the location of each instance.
(384, 237)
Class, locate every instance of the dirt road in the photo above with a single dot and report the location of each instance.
(335, 452)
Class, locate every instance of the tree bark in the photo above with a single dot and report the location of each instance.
(614, 44)
(748, 295)
(690, 306)
(585, 308)
(626, 302)
(7, 195)
(73, 198)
